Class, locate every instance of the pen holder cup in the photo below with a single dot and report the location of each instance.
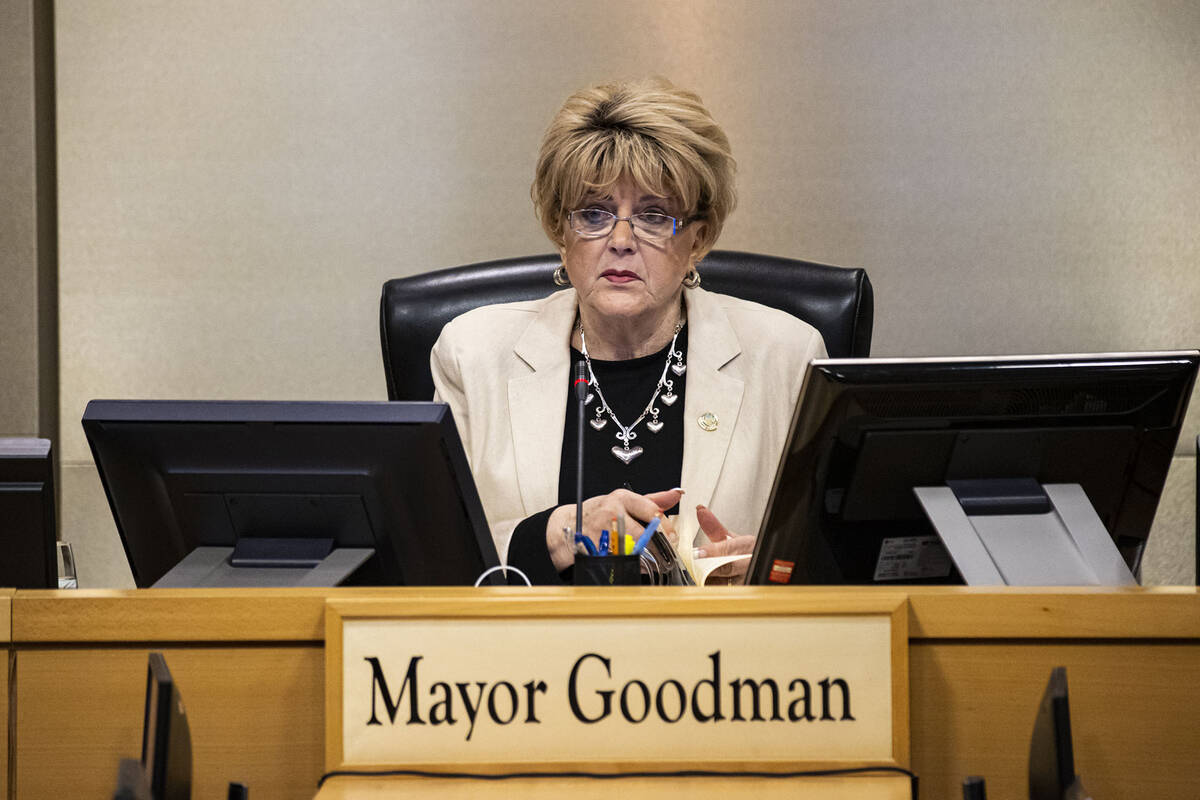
(608, 571)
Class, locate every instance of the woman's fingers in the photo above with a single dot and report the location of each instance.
(600, 513)
(667, 499)
(730, 546)
(711, 526)
(639, 507)
(734, 571)
(663, 501)
(722, 542)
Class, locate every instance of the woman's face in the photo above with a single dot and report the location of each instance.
(620, 276)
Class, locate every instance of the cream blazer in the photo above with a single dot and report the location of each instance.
(503, 369)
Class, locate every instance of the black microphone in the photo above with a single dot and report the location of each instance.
(581, 394)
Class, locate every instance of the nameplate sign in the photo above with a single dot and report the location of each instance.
(617, 679)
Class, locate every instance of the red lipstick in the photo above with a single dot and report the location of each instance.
(619, 276)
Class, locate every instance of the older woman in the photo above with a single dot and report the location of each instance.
(691, 391)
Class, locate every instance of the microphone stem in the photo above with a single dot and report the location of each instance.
(579, 465)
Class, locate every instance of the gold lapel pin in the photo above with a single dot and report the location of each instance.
(708, 421)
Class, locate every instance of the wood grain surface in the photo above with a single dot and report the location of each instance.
(6, 665)
(254, 713)
(827, 788)
(1135, 714)
(169, 615)
(1059, 613)
(6, 596)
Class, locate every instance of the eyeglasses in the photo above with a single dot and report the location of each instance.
(592, 223)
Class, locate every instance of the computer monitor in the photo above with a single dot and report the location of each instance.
(165, 769)
(868, 432)
(1051, 748)
(166, 737)
(289, 493)
(27, 528)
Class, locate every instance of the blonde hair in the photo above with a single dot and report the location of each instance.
(659, 135)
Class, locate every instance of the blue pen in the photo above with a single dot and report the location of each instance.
(644, 539)
(602, 546)
(587, 543)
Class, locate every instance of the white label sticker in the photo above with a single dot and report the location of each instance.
(911, 557)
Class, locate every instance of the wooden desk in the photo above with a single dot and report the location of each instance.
(250, 665)
(980, 659)
(6, 667)
(869, 788)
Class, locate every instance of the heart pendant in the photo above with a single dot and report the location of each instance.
(678, 369)
(627, 454)
(598, 423)
(669, 398)
(654, 425)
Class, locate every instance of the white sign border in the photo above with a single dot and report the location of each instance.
(607, 602)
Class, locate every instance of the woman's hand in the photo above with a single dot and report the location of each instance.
(723, 543)
(598, 513)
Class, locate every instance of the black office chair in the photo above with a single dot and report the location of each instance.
(837, 301)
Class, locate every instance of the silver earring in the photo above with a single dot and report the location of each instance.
(560, 276)
(692, 279)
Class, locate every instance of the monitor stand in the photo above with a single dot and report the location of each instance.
(1021, 533)
(267, 562)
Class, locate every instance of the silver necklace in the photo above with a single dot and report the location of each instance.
(626, 433)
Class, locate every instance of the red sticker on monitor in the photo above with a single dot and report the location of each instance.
(781, 571)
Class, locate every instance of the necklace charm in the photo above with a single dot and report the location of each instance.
(669, 397)
(677, 356)
(627, 454)
(623, 452)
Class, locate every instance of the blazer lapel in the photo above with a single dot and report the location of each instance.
(536, 401)
(712, 344)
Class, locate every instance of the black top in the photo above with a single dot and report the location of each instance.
(627, 386)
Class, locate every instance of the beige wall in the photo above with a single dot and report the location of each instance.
(18, 225)
(237, 179)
